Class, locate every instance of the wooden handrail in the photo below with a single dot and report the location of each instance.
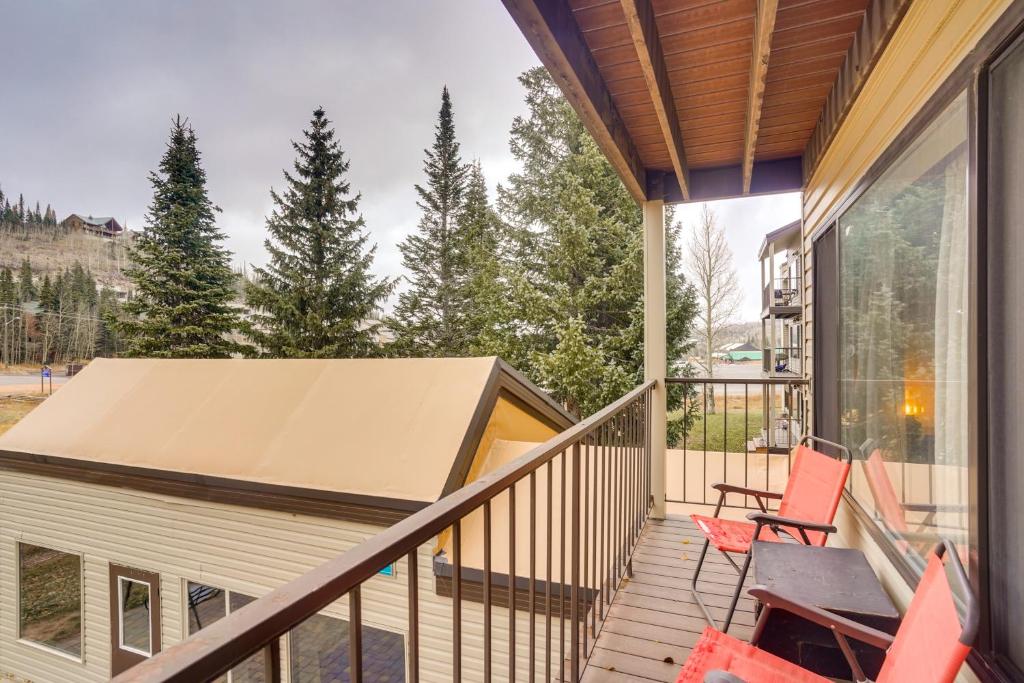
(217, 648)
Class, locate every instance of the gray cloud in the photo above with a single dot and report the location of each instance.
(89, 89)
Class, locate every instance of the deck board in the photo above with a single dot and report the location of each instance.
(653, 621)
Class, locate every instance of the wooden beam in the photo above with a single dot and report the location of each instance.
(880, 22)
(644, 32)
(725, 182)
(552, 31)
(764, 27)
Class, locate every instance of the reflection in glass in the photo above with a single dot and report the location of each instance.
(136, 628)
(903, 359)
(50, 598)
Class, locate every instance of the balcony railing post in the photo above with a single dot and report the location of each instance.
(574, 616)
(355, 636)
(272, 661)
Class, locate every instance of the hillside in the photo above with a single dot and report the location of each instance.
(52, 250)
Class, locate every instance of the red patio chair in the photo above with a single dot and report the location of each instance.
(806, 510)
(930, 645)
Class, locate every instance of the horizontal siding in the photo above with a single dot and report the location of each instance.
(243, 549)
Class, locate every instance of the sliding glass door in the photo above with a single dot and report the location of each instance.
(1006, 354)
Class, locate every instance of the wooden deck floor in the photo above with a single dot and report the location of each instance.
(653, 622)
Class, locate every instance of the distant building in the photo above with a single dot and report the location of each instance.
(104, 226)
(738, 352)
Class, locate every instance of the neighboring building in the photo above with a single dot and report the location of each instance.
(104, 226)
(737, 352)
(149, 498)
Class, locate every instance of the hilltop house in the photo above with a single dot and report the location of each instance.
(104, 226)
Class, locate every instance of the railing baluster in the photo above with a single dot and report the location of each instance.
(533, 576)
(725, 432)
(355, 635)
(586, 533)
(561, 580)
(486, 591)
(574, 628)
(704, 473)
(604, 520)
(746, 440)
(548, 579)
(457, 600)
(511, 589)
(414, 616)
(272, 661)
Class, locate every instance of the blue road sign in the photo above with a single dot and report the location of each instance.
(47, 372)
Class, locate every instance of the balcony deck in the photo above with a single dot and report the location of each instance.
(653, 622)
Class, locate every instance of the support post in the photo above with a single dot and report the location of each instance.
(655, 351)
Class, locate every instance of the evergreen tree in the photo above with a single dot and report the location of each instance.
(429, 319)
(484, 294)
(575, 265)
(26, 288)
(180, 270)
(317, 297)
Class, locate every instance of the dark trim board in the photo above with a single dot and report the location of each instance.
(333, 505)
(726, 182)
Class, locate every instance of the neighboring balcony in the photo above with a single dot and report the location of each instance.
(784, 361)
(781, 298)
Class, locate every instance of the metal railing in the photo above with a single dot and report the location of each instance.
(781, 292)
(594, 481)
(784, 359)
(741, 432)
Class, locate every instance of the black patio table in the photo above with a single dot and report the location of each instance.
(836, 579)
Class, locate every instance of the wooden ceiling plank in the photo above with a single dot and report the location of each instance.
(644, 32)
(555, 37)
(764, 28)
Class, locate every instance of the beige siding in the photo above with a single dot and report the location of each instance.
(251, 551)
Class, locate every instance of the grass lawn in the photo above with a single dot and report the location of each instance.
(13, 409)
(718, 427)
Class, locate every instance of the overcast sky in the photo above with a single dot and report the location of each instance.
(90, 87)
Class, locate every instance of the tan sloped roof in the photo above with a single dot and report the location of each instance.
(383, 428)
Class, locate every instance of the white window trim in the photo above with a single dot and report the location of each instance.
(80, 659)
(120, 616)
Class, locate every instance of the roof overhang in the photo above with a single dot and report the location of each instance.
(694, 101)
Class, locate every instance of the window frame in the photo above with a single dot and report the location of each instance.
(120, 616)
(19, 638)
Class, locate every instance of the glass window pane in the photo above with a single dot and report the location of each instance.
(206, 605)
(318, 651)
(135, 615)
(904, 332)
(50, 598)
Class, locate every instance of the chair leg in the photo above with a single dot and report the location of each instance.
(736, 595)
(693, 586)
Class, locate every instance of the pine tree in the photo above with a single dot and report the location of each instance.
(317, 298)
(26, 288)
(484, 294)
(575, 266)
(181, 272)
(429, 318)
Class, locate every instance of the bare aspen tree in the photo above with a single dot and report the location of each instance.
(711, 270)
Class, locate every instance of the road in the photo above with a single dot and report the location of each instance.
(22, 380)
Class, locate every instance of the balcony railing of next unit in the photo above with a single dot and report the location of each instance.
(785, 359)
(781, 292)
(571, 512)
(741, 432)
